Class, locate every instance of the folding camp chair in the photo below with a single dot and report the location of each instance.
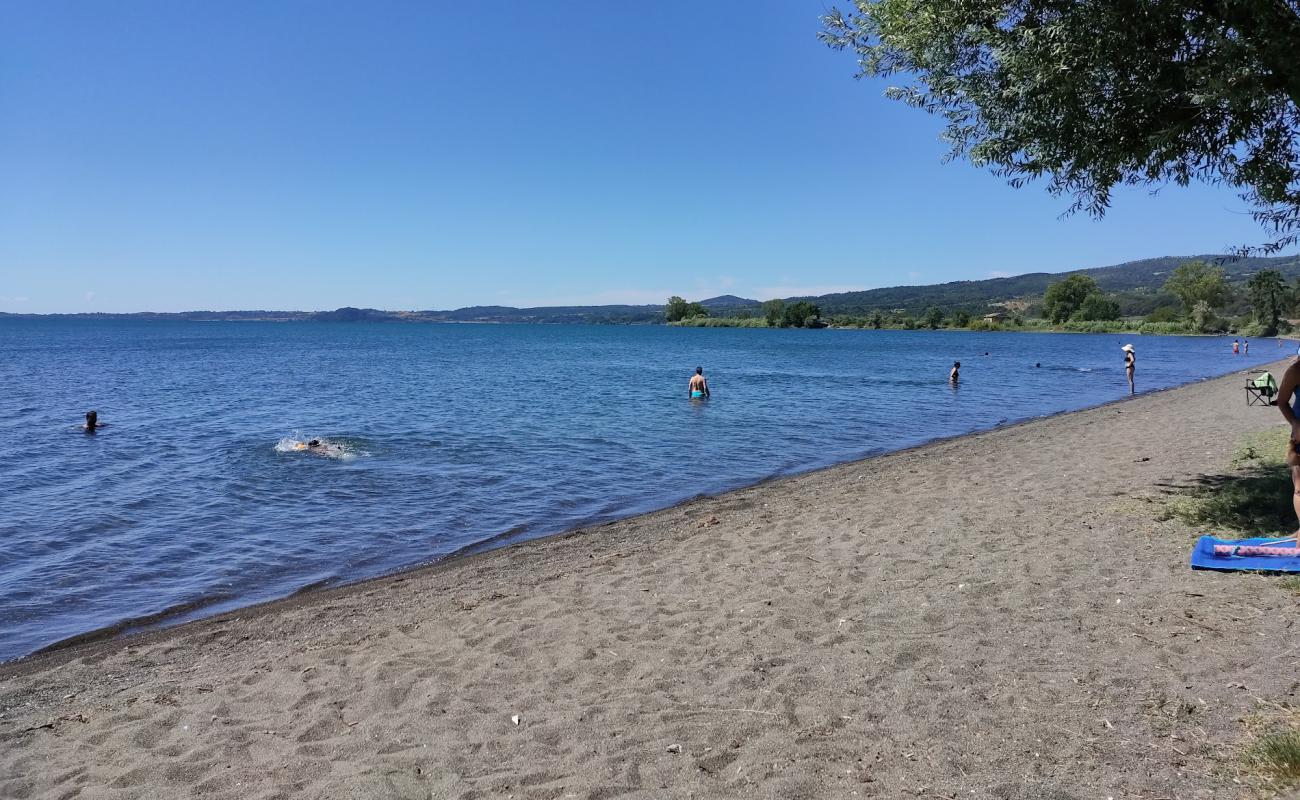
(1260, 391)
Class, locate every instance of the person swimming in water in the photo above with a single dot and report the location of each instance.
(698, 387)
(955, 375)
(92, 421)
(319, 448)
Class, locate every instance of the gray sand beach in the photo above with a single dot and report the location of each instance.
(1003, 615)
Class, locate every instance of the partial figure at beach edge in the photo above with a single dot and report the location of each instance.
(698, 388)
(1288, 402)
(1130, 363)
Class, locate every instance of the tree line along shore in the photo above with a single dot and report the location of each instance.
(1196, 298)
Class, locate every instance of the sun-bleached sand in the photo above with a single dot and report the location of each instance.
(997, 616)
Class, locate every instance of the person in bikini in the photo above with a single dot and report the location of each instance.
(699, 387)
(1288, 402)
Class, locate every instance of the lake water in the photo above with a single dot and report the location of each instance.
(195, 498)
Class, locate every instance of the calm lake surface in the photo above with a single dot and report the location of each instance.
(195, 499)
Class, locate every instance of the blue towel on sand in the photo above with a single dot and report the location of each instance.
(1203, 556)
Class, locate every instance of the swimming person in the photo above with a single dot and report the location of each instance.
(955, 376)
(92, 421)
(698, 387)
(1130, 362)
(1288, 402)
(321, 448)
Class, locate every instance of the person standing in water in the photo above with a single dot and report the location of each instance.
(698, 387)
(1236, 347)
(1130, 362)
(1245, 347)
(1288, 402)
(955, 375)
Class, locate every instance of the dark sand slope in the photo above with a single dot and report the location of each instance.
(993, 616)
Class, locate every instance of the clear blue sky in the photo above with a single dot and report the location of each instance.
(307, 155)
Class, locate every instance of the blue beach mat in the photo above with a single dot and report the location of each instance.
(1204, 557)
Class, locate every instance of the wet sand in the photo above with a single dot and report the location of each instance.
(997, 616)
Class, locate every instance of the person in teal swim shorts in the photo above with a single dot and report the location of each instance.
(699, 387)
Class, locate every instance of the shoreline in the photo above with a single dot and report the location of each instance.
(191, 612)
(997, 615)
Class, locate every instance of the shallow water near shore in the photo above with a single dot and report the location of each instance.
(195, 498)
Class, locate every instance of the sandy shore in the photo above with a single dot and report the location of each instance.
(996, 616)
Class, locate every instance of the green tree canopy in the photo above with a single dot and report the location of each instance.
(1163, 314)
(798, 315)
(1198, 282)
(1202, 317)
(1097, 307)
(933, 317)
(1094, 94)
(678, 309)
(1065, 297)
(1268, 295)
(774, 311)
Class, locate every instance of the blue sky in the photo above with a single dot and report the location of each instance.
(304, 155)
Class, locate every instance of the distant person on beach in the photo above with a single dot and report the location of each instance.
(92, 421)
(1288, 402)
(1130, 363)
(955, 375)
(698, 387)
(1236, 347)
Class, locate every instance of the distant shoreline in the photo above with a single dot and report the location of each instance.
(1011, 294)
(425, 318)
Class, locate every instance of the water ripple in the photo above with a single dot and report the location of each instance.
(196, 497)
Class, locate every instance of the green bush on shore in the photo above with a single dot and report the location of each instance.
(903, 322)
(1166, 328)
(721, 322)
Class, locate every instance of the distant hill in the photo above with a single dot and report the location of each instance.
(1145, 277)
(591, 315)
(1137, 284)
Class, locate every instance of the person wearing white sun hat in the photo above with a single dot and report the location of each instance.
(1130, 361)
